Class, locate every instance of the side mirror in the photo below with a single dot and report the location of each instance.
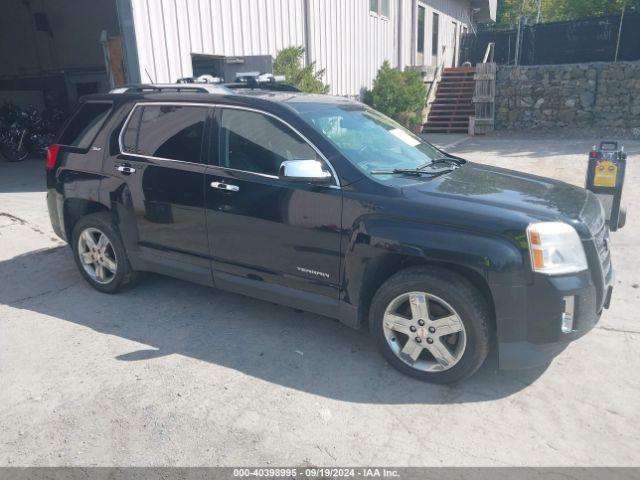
(304, 171)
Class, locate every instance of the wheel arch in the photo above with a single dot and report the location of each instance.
(387, 266)
(76, 208)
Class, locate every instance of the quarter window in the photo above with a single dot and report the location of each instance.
(86, 123)
(258, 143)
(173, 132)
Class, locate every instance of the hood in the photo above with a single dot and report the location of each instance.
(534, 197)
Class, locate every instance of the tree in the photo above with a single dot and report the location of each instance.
(557, 10)
(398, 94)
(288, 62)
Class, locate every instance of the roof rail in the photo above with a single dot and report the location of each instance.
(173, 87)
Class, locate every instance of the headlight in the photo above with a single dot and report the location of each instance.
(555, 248)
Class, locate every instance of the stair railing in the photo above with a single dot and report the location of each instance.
(437, 76)
(484, 97)
(488, 54)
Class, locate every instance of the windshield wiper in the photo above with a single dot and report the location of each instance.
(441, 161)
(408, 171)
(420, 170)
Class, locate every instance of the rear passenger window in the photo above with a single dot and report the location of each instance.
(85, 124)
(172, 132)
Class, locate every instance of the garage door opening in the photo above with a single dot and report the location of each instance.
(55, 51)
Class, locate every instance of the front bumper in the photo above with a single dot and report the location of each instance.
(530, 325)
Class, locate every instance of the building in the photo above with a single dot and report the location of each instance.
(158, 40)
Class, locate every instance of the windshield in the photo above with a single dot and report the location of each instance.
(367, 138)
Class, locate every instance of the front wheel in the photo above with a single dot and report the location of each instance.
(431, 324)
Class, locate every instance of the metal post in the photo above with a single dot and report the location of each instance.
(414, 31)
(399, 37)
(307, 33)
(104, 41)
(619, 34)
(539, 8)
(518, 42)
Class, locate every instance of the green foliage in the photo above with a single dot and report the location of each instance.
(399, 95)
(558, 10)
(288, 62)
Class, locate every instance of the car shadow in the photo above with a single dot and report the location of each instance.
(277, 344)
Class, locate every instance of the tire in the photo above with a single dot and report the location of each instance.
(116, 274)
(452, 304)
(13, 154)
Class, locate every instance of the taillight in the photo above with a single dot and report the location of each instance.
(52, 156)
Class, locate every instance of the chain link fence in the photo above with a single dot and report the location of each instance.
(589, 40)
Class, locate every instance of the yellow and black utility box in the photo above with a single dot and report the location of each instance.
(605, 178)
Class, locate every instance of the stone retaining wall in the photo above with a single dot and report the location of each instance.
(574, 95)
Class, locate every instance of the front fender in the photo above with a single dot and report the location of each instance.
(378, 244)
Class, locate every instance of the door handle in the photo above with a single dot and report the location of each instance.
(225, 186)
(126, 170)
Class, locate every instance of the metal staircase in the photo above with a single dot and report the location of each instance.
(453, 104)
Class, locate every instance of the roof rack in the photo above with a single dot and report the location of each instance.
(210, 84)
(261, 81)
(174, 87)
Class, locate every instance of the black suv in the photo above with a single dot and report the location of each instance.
(326, 205)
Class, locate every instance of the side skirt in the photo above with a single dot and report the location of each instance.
(289, 297)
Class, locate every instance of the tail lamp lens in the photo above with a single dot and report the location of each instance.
(52, 156)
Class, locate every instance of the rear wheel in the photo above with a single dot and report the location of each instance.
(431, 324)
(99, 253)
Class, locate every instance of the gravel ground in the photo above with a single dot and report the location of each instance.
(175, 374)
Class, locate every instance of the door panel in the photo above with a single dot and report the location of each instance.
(165, 196)
(264, 228)
(168, 198)
(273, 231)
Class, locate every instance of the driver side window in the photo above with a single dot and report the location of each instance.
(257, 143)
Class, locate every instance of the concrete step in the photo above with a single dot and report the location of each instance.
(452, 124)
(455, 86)
(444, 130)
(451, 101)
(460, 95)
(438, 117)
(459, 70)
(452, 108)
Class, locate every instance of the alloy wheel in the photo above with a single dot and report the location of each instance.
(424, 331)
(97, 255)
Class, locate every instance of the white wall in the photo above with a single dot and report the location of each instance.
(350, 43)
(344, 38)
(450, 11)
(169, 31)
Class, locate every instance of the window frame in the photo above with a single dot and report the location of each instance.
(214, 114)
(216, 136)
(435, 35)
(378, 12)
(421, 32)
(70, 120)
(205, 136)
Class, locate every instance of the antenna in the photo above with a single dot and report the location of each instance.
(148, 75)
